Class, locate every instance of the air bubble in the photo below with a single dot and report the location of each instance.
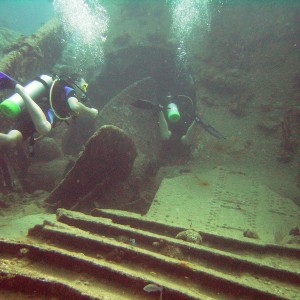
(85, 24)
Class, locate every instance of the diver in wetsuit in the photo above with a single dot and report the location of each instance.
(177, 118)
(34, 110)
(34, 115)
(177, 127)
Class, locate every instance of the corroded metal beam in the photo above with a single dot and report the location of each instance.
(110, 260)
(35, 54)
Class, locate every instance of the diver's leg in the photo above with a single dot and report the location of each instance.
(190, 133)
(11, 139)
(37, 116)
(165, 133)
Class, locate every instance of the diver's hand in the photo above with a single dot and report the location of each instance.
(94, 113)
(80, 109)
(20, 90)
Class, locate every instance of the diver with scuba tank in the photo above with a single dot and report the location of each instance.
(37, 107)
(177, 119)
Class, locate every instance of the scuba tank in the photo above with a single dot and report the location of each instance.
(179, 108)
(12, 106)
(173, 113)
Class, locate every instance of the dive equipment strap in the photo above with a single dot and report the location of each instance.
(43, 82)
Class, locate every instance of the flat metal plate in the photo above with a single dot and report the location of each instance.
(226, 203)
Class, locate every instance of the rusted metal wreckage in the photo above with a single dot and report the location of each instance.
(115, 255)
(25, 59)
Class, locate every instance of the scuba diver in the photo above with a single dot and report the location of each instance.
(32, 111)
(178, 120)
(37, 107)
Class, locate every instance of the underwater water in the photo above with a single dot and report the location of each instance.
(186, 17)
(179, 178)
(86, 28)
(25, 16)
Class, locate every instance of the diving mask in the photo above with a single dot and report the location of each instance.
(83, 84)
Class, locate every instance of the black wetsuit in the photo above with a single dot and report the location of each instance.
(173, 150)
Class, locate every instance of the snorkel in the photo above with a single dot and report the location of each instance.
(78, 84)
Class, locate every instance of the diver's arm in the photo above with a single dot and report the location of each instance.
(37, 116)
(190, 133)
(80, 109)
(165, 133)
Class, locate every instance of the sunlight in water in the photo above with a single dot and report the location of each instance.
(85, 23)
(186, 15)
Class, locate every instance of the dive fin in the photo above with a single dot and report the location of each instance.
(146, 104)
(7, 82)
(211, 130)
